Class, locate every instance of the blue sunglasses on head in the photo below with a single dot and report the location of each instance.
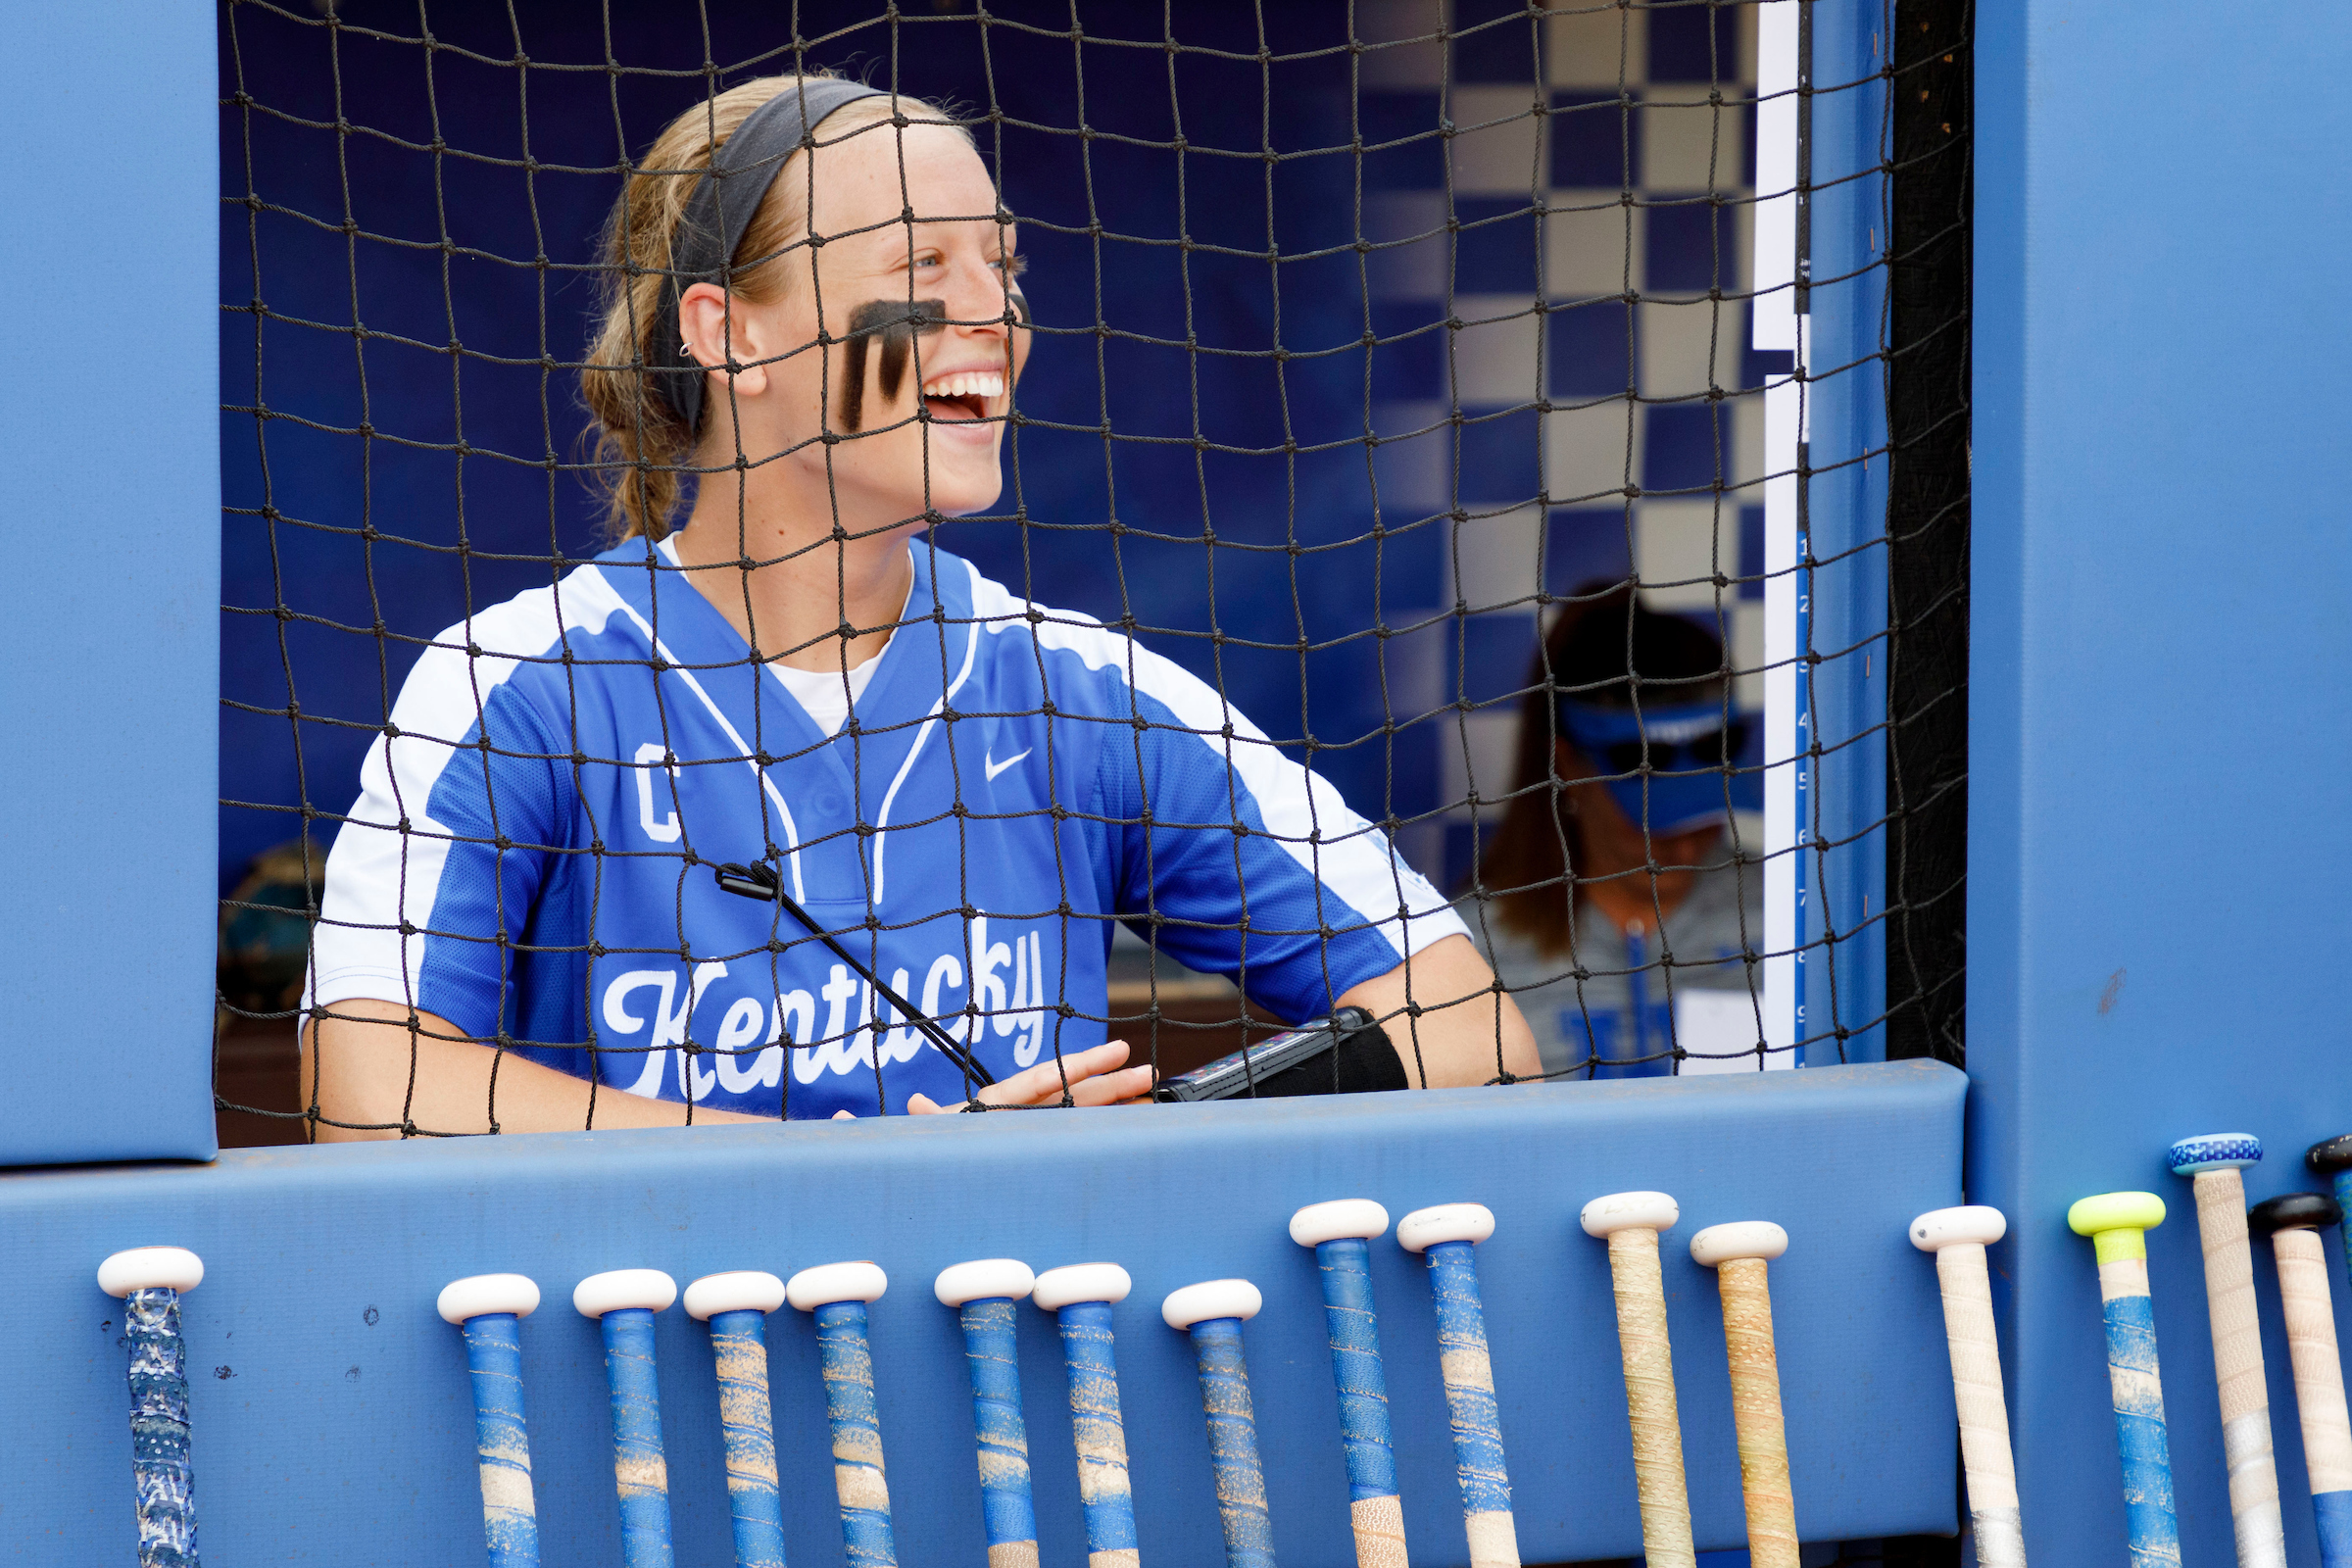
(1667, 768)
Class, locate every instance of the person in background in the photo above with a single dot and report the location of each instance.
(1613, 899)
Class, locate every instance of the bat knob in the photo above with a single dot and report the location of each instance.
(983, 1280)
(1628, 1212)
(2116, 1211)
(1339, 1220)
(646, 1290)
(2293, 1212)
(150, 1268)
(1073, 1283)
(1719, 1245)
(1211, 1300)
(1425, 1228)
(828, 1283)
(2330, 1157)
(1939, 1228)
(2193, 1156)
(481, 1295)
(740, 1291)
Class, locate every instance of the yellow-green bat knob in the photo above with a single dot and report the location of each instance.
(2115, 1221)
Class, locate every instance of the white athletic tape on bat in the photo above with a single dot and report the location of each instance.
(1494, 1539)
(2000, 1537)
(2303, 1295)
(2253, 1515)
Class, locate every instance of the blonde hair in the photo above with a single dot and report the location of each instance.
(642, 445)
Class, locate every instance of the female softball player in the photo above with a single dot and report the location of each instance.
(812, 308)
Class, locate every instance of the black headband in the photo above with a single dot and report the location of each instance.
(719, 212)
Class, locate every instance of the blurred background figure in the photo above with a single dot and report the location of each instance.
(1615, 898)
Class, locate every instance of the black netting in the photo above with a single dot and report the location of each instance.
(1393, 416)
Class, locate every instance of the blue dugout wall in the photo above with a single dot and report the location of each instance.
(113, 685)
(2161, 742)
(331, 1413)
(2158, 750)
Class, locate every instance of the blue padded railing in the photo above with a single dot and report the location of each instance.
(331, 1409)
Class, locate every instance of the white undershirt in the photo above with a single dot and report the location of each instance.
(824, 693)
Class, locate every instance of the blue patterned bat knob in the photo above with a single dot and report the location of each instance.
(2193, 1156)
(1080, 1296)
(983, 1293)
(623, 1301)
(489, 1310)
(837, 1295)
(1214, 1312)
(736, 1307)
(150, 1281)
(1448, 1235)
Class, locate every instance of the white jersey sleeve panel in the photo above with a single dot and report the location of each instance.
(1303, 814)
(385, 885)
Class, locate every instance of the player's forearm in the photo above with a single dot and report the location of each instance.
(374, 1077)
(1465, 1032)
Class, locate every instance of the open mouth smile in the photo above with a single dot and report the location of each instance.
(963, 397)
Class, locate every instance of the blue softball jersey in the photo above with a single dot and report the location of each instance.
(531, 856)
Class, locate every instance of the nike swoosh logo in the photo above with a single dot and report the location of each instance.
(995, 767)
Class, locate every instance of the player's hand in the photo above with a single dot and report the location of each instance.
(1093, 1077)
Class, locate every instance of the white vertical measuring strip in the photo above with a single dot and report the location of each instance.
(1777, 326)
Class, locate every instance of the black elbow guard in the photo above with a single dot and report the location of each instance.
(1346, 1053)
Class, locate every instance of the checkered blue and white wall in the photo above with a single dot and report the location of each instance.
(1597, 195)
